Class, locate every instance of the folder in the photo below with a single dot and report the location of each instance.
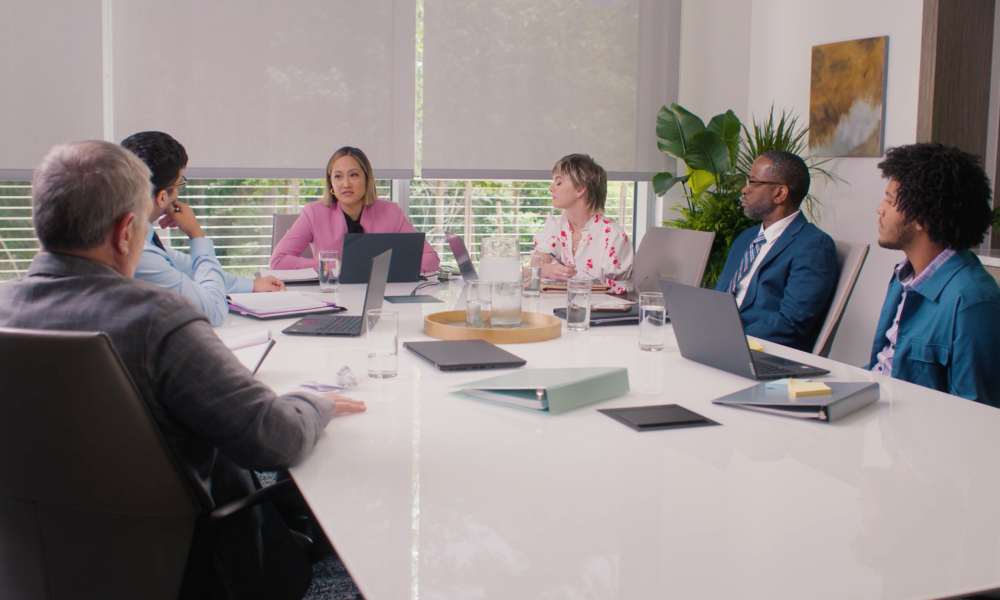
(843, 399)
(278, 304)
(550, 390)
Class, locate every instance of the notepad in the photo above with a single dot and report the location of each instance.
(755, 345)
(276, 303)
(798, 389)
(251, 349)
(292, 275)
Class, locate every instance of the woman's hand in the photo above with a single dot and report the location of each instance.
(557, 271)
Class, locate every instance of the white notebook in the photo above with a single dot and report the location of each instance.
(251, 349)
(292, 275)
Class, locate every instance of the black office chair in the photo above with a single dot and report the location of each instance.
(92, 504)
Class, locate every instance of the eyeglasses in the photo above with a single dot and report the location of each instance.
(752, 183)
(180, 186)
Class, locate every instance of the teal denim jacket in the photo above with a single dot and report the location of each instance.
(949, 332)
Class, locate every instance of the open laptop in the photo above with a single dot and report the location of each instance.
(708, 329)
(464, 355)
(461, 254)
(360, 248)
(347, 325)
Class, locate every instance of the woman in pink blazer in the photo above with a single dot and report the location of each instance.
(349, 205)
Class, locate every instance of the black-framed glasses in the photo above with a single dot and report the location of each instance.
(181, 186)
(752, 183)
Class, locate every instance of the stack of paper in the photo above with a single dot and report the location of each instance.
(251, 349)
(277, 304)
(292, 275)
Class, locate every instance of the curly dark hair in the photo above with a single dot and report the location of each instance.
(790, 170)
(164, 156)
(942, 188)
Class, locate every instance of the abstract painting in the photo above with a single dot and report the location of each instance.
(847, 98)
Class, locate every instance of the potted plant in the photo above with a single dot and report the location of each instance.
(718, 159)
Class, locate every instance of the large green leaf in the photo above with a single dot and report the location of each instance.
(675, 127)
(664, 181)
(727, 126)
(708, 153)
(700, 181)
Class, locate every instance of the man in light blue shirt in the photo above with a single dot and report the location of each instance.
(197, 276)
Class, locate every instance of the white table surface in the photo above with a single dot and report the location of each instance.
(433, 496)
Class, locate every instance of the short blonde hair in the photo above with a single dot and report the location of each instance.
(366, 167)
(584, 172)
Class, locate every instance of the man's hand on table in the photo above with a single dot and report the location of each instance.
(268, 283)
(344, 405)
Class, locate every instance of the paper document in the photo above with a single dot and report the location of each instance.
(276, 302)
(292, 275)
(251, 349)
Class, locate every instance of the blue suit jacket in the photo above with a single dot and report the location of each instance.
(791, 290)
(949, 332)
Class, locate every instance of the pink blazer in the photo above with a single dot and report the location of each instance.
(324, 227)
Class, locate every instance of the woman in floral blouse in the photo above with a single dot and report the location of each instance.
(582, 239)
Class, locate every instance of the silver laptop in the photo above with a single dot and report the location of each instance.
(462, 256)
(348, 325)
(708, 329)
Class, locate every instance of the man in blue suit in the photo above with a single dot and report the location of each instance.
(783, 273)
(940, 324)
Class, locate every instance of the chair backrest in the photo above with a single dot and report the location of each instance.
(678, 255)
(280, 225)
(92, 504)
(850, 259)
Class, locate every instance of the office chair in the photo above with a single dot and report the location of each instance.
(850, 259)
(678, 255)
(280, 225)
(92, 503)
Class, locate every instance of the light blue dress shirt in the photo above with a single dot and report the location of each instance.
(197, 276)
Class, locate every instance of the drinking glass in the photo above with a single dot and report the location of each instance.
(652, 321)
(329, 271)
(578, 303)
(477, 307)
(382, 343)
(531, 275)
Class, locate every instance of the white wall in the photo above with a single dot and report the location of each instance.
(782, 33)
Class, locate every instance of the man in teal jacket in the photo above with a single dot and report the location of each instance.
(940, 324)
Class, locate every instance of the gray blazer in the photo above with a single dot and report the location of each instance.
(218, 421)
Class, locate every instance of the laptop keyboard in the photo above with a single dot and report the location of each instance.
(341, 325)
(766, 369)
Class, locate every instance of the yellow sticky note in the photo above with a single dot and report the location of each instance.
(807, 388)
(755, 345)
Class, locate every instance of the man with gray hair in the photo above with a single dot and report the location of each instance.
(90, 205)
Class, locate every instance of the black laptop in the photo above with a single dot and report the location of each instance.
(347, 325)
(708, 329)
(360, 248)
(464, 355)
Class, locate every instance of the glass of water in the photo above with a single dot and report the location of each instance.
(382, 343)
(531, 275)
(578, 303)
(329, 271)
(477, 307)
(652, 321)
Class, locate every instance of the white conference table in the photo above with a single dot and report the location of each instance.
(432, 496)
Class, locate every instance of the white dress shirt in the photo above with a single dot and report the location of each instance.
(771, 235)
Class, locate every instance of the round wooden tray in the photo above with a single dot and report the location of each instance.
(535, 327)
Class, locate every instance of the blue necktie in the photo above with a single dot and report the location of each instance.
(747, 261)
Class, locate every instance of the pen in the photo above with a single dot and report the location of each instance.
(555, 258)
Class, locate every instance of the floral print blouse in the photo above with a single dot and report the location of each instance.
(604, 251)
